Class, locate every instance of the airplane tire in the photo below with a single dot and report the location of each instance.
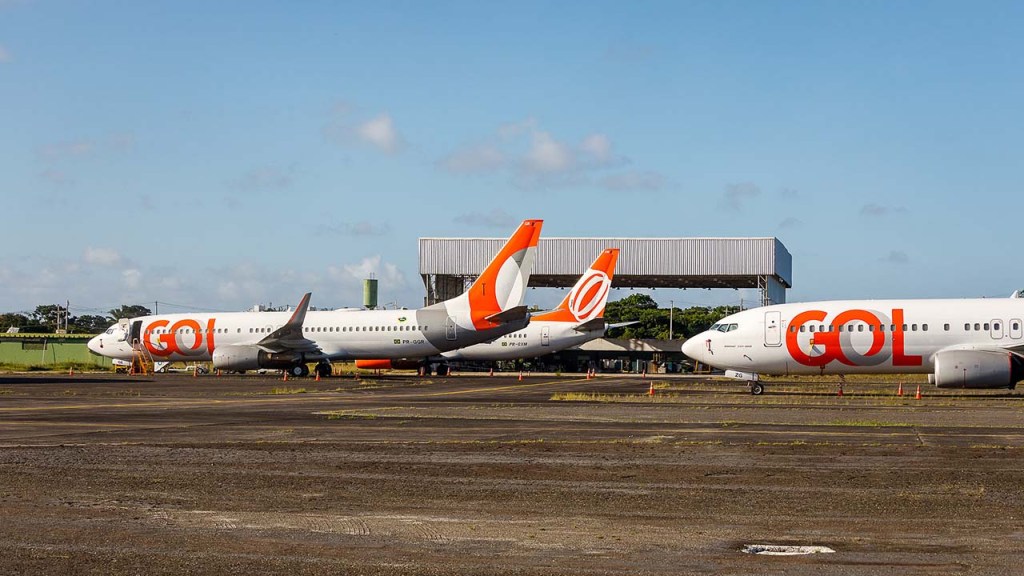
(323, 369)
(756, 388)
(299, 371)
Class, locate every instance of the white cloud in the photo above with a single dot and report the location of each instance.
(547, 155)
(536, 158)
(496, 218)
(361, 228)
(736, 195)
(872, 210)
(791, 222)
(633, 181)
(67, 149)
(101, 256)
(896, 257)
(387, 273)
(263, 179)
(132, 278)
(598, 147)
(379, 131)
(478, 158)
(119, 142)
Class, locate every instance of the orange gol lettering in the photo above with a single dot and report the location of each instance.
(833, 346)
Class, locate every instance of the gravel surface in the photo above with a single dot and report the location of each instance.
(488, 475)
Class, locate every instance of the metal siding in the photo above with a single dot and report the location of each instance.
(638, 256)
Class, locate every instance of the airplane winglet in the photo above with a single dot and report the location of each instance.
(510, 315)
(299, 316)
(289, 336)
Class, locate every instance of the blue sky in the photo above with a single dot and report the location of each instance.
(217, 155)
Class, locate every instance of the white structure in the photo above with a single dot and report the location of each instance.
(447, 264)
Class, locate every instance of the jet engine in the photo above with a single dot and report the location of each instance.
(252, 358)
(977, 369)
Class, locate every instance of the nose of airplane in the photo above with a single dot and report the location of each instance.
(692, 347)
(96, 344)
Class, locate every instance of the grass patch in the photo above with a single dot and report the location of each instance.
(283, 391)
(351, 416)
(867, 423)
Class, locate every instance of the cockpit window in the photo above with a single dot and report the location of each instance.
(714, 327)
(109, 331)
(733, 327)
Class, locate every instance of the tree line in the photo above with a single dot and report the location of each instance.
(52, 317)
(653, 322)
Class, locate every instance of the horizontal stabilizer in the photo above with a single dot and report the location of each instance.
(511, 315)
(591, 325)
(600, 324)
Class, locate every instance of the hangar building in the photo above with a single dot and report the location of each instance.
(447, 265)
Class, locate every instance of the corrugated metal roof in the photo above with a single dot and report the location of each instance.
(721, 261)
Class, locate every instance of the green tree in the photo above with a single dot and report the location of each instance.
(9, 320)
(91, 324)
(130, 311)
(653, 322)
(50, 316)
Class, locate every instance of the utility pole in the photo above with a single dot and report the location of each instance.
(671, 309)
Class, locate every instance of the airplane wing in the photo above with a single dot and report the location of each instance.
(289, 338)
(510, 315)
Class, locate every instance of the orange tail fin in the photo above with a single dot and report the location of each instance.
(502, 284)
(587, 298)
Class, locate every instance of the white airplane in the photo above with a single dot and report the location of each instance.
(967, 343)
(492, 307)
(578, 319)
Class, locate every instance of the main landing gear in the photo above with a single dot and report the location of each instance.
(299, 371)
(756, 388)
(323, 369)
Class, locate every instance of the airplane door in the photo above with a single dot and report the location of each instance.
(997, 329)
(1015, 329)
(545, 336)
(135, 334)
(450, 332)
(773, 328)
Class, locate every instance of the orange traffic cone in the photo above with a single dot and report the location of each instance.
(195, 371)
(492, 372)
(71, 371)
(285, 375)
(651, 391)
(520, 375)
(918, 395)
(317, 379)
(899, 391)
(644, 375)
(840, 391)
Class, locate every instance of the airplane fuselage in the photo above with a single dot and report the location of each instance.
(539, 338)
(340, 334)
(858, 336)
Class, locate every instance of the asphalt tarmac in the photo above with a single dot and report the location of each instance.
(113, 474)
